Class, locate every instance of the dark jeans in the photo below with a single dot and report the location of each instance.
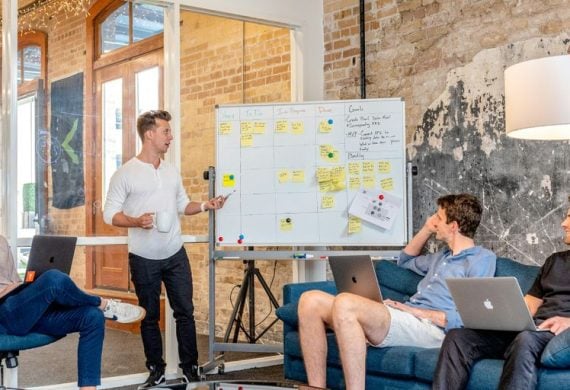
(147, 276)
(53, 305)
(463, 347)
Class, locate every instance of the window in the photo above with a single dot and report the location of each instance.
(32, 49)
(129, 23)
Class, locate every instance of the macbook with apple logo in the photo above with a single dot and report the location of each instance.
(491, 303)
(355, 274)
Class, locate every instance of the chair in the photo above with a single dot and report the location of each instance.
(10, 346)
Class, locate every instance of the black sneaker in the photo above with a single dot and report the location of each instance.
(191, 374)
(156, 377)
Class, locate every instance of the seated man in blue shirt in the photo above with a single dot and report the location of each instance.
(422, 321)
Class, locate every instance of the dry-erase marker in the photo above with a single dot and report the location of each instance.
(228, 195)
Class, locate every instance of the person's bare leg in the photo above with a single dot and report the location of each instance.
(356, 320)
(315, 314)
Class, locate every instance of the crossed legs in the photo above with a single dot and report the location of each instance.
(355, 321)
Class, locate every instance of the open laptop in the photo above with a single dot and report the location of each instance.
(356, 275)
(491, 303)
(49, 252)
(46, 252)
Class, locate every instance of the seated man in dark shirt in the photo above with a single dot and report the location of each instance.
(548, 301)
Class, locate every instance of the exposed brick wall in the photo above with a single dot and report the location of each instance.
(225, 62)
(411, 45)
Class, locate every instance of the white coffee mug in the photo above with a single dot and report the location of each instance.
(163, 221)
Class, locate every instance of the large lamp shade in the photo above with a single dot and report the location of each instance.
(537, 99)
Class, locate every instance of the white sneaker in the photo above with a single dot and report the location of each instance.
(123, 312)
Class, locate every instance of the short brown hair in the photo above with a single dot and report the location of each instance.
(147, 121)
(465, 209)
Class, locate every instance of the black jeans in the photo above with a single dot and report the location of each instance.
(147, 276)
(463, 347)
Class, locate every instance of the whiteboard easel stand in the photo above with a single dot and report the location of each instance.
(215, 363)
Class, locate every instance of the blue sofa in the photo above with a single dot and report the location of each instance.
(410, 367)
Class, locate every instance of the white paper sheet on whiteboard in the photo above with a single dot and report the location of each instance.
(376, 207)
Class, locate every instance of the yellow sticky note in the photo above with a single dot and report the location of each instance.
(282, 126)
(286, 224)
(354, 168)
(368, 182)
(284, 176)
(338, 173)
(324, 151)
(327, 202)
(354, 225)
(384, 167)
(354, 182)
(246, 140)
(325, 126)
(325, 186)
(338, 185)
(297, 127)
(323, 174)
(259, 127)
(246, 127)
(298, 176)
(228, 180)
(329, 153)
(387, 184)
(368, 167)
(225, 128)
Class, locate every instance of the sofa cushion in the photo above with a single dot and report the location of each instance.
(396, 361)
(525, 274)
(485, 374)
(557, 351)
(395, 282)
(425, 362)
(392, 361)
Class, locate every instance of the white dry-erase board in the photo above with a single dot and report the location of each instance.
(293, 171)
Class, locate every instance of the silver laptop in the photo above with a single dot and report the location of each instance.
(356, 275)
(491, 303)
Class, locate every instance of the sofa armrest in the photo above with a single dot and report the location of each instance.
(292, 291)
(291, 294)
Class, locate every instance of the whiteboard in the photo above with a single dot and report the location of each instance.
(295, 170)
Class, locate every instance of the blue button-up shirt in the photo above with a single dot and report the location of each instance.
(432, 291)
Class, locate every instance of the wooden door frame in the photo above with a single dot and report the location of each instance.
(94, 61)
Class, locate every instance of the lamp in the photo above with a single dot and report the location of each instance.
(537, 99)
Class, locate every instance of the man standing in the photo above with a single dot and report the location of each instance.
(548, 301)
(146, 196)
(422, 321)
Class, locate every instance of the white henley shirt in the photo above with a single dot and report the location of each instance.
(137, 188)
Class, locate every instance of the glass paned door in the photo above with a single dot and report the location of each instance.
(123, 91)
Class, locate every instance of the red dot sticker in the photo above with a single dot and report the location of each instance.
(381, 197)
(220, 239)
(240, 241)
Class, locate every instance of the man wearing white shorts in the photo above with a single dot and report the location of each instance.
(420, 322)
